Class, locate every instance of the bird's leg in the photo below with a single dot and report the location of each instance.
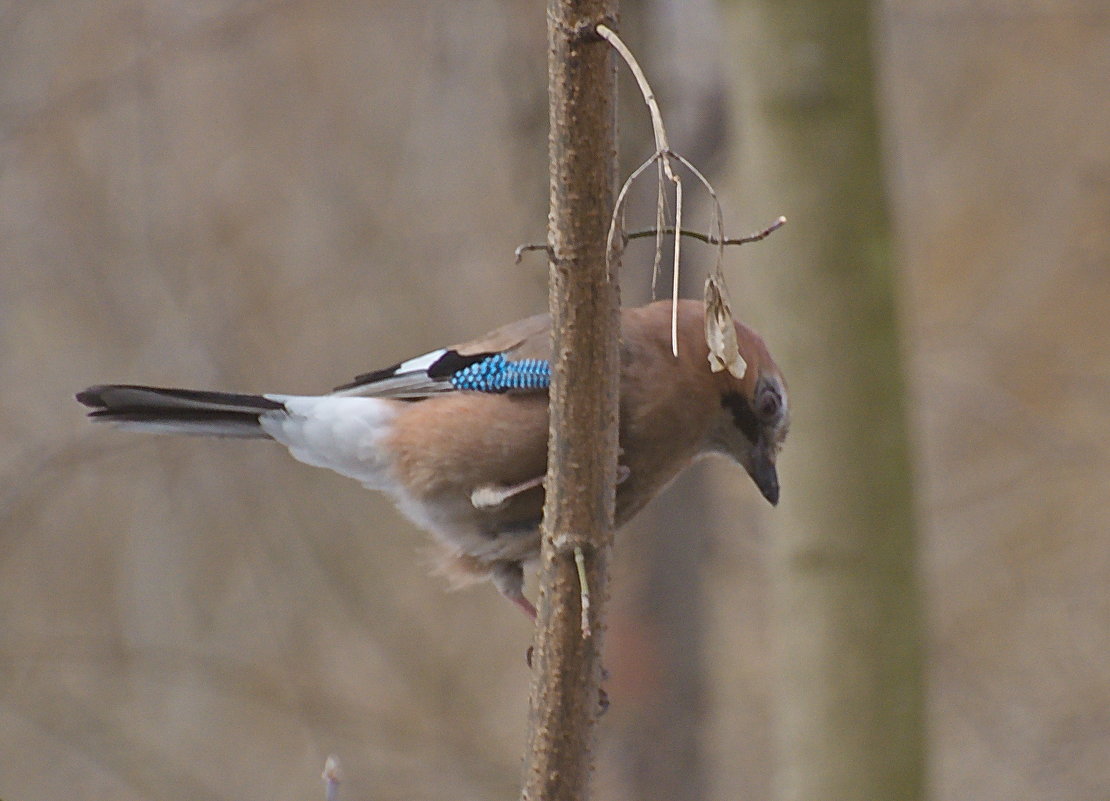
(489, 495)
(524, 605)
(508, 578)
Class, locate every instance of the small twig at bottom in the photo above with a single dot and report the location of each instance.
(584, 590)
(570, 544)
(331, 778)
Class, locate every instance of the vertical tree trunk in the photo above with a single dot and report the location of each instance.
(584, 400)
(849, 694)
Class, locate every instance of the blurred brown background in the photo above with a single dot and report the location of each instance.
(276, 196)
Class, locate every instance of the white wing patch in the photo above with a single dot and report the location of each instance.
(406, 380)
(420, 363)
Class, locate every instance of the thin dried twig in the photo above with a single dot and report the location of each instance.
(667, 230)
(660, 223)
(609, 35)
(584, 591)
(663, 153)
(618, 207)
(720, 325)
(720, 329)
(718, 215)
(706, 238)
(521, 249)
(674, 270)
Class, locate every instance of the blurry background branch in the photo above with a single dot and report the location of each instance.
(848, 700)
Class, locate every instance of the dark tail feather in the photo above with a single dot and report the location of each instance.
(178, 411)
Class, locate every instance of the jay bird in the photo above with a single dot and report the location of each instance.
(458, 437)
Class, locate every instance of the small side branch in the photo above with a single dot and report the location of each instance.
(518, 254)
(668, 230)
(708, 239)
(583, 590)
(577, 547)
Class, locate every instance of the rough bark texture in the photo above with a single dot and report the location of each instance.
(584, 397)
(849, 695)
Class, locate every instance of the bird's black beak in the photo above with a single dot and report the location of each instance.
(764, 474)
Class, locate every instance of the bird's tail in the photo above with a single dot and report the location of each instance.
(178, 411)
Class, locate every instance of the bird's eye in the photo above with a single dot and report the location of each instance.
(768, 404)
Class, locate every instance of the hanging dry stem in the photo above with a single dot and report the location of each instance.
(719, 322)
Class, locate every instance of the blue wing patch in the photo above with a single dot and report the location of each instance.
(497, 374)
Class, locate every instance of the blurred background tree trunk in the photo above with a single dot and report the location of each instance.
(848, 694)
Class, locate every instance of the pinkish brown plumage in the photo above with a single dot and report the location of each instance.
(468, 465)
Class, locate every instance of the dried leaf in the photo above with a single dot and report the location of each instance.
(720, 330)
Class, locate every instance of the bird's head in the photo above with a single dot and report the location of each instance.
(755, 414)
